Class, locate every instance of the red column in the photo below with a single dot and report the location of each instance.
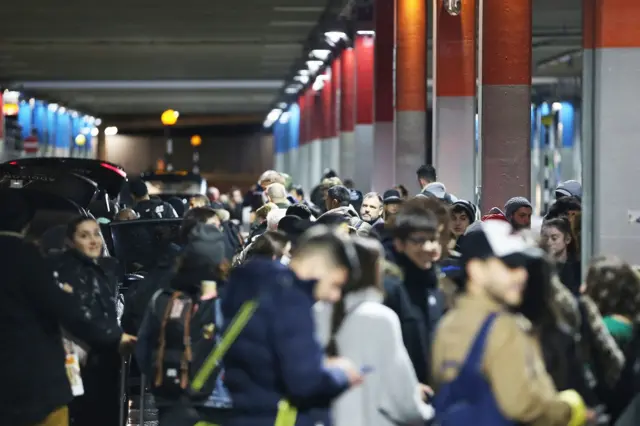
(454, 106)
(411, 90)
(336, 78)
(384, 134)
(347, 114)
(505, 116)
(364, 112)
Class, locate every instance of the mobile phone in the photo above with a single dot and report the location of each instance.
(366, 369)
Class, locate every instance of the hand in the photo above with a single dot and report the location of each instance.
(127, 343)
(352, 372)
(592, 416)
(425, 391)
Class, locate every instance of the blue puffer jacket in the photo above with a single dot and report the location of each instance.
(276, 356)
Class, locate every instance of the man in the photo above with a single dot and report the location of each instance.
(277, 357)
(569, 188)
(518, 212)
(146, 207)
(34, 307)
(486, 366)
(371, 210)
(426, 175)
(277, 194)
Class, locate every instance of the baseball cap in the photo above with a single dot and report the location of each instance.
(391, 196)
(484, 240)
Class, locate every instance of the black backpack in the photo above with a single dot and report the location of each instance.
(186, 336)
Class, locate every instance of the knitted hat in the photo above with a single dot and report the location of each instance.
(514, 204)
(466, 206)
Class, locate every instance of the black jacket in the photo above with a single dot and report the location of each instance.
(155, 209)
(34, 305)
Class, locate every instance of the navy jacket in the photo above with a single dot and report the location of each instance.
(276, 356)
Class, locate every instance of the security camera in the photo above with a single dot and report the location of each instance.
(453, 7)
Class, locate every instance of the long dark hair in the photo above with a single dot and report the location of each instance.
(370, 254)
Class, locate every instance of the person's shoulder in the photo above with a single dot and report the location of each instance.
(376, 312)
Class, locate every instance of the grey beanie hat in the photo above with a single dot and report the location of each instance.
(205, 246)
(514, 204)
(570, 188)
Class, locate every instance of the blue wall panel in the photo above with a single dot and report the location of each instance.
(567, 118)
(40, 121)
(25, 118)
(294, 127)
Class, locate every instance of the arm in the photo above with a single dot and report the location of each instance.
(517, 375)
(57, 300)
(300, 356)
(403, 400)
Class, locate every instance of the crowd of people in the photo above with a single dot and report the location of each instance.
(274, 307)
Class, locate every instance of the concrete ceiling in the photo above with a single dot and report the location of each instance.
(222, 56)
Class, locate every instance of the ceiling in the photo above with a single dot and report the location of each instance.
(200, 57)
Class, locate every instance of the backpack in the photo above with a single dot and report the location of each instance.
(186, 336)
(468, 399)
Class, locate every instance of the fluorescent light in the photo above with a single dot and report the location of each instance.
(53, 107)
(556, 106)
(366, 32)
(32, 102)
(314, 66)
(284, 118)
(272, 117)
(94, 132)
(320, 54)
(62, 110)
(304, 73)
(294, 88)
(304, 79)
(283, 105)
(111, 131)
(318, 84)
(98, 122)
(74, 114)
(335, 37)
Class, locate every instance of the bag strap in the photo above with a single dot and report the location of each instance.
(474, 358)
(162, 342)
(236, 326)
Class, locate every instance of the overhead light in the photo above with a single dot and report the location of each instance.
(74, 114)
(293, 89)
(53, 107)
(304, 79)
(366, 32)
(94, 132)
(556, 106)
(318, 84)
(320, 54)
(283, 105)
(284, 118)
(62, 110)
(314, 65)
(304, 72)
(335, 37)
(32, 102)
(272, 117)
(98, 122)
(111, 131)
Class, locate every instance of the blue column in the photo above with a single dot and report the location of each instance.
(293, 142)
(25, 118)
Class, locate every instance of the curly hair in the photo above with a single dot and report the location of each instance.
(614, 286)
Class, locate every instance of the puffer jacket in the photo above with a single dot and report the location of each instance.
(95, 286)
(349, 212)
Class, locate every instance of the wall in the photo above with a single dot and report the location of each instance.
(246, 154)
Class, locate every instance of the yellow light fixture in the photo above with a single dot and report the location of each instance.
(10, 109)
(196, 140)
(169, 117)
(81, 139)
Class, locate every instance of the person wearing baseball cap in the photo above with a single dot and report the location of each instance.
(485, 365)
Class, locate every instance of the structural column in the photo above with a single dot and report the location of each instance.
(293, 142)
(303, 167)
(505, 113)
(611, 70)
(364, 112)
(383, 132)
(411, 91)
(334, 141)
(347, 115)
(326, 131)
(279, 130)
(454, 106)
(317, 122)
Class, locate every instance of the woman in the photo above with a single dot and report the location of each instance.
(96, 288)
(391, 393)
(615, 288)
(559, 242)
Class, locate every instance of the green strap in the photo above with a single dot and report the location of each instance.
(235, 328)
(287, 413)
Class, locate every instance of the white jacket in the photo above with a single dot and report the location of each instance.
(370, 336)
